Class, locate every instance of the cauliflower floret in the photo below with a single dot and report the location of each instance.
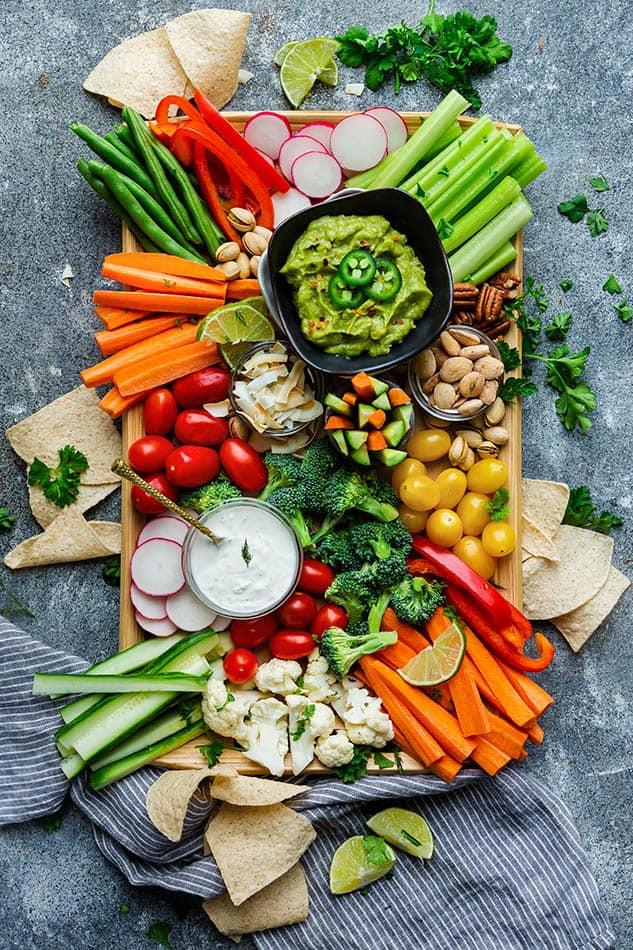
(319, 683)
(308, 721)
(364, 720)
(224, 711)
(335, 749)
(266, 740)
(278, 676)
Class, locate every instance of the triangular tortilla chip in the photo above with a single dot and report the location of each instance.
(247, 790)
(45, 512)
(139, 72)
(209, 45)
(168, 800)
(578, 625)
(283, 902)
(68, 538)
(536, 542)
(109, 533)
(544, 503)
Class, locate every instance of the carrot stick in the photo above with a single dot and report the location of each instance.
(534, 695)
(440, 723)
(156, 303)
(112, 341)
(513, 706)
(489, 757)
(505, 736)
(115, 317)
(395, 655)
(166, 264)
(242, 289)
(416, 642)
(446, 767)
(104, 371)
(161, 282)
(536, 734)
(115, 404)
(162, 368)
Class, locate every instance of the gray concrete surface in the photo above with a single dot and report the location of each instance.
(570, 85)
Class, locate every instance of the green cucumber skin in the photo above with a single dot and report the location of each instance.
(44, 684)
(122, 767)
(72, 765)
(162, 728)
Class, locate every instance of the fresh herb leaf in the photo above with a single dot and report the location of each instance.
(597, 223)
(6, 519)
(15, 606)
(382, 761)
(559, 327)
(159, 932)
(575, 209)
(357, 768)
(566, 285)
(51, 822)
(376, 850)
(498, 508)
(364, 891)
(419, 190)
(60, 484)
(302, 721)
(111, 571)
(612, 285)
(186, 708)
(511, 388)
(623, 310)
(444, 229)
(510, 356)
(124, 909)
(576, 400)
(212, 751)
(582, 513)
(444, 171)
(247, 557)
(410, 838)
(599, 183)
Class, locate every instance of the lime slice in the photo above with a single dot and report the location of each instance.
(438, 663)
(236, 327)
(405, 829)
(359, 861)
(329, 76)
(303, 65)
(283, 51)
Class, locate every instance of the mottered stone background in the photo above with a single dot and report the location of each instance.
(570, 84)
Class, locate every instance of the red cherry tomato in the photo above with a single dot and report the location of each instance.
(315, 576)
(190, 466)
(159, 412)
(148, 505)
(149, 453)
(205, 385)
(240, 665)
(328, 616)
(243, 465)
(291, 644)
(298, 611)
(253, 633)
(198, 427)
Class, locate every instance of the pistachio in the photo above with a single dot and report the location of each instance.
(227, 252)
(454, 369)
(254, 243)
(497, 434)
(431, 383)
(475, 352)
(489, 393)
(458, 450)
(254, 264)
(230, 269)
(244, 263)
(464, 336)
(495, 412)
(468, 461)
(488, 450)
(425, 364)
(266, 233)
(238, 428)
(489, 367)
(471, 437)
(443, 395)
(449, 343)
(471, 384)
(242, 219)
(470, 407)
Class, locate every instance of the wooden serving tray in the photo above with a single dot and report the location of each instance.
(508, 575)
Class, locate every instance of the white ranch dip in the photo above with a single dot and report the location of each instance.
(254, 567)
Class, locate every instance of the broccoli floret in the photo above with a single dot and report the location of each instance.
(372, 539)
(289, 499)
(337, 550)
(205, 497)
(346, 491)
(415, 599)
(318, 465)
(353, 591)
(388, 571)
(381, 490)
(282, 470)
(343, 649)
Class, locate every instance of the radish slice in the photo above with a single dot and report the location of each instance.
(221, 623)
(152, 608)
(293, 148)
(288, 204)
(321, 131)
(160, 628)
(393, 124)
(156, 567)
(167, 526)
(267, 131)
(317, 174)
(266, 157)
(187, 612)
(359, 142)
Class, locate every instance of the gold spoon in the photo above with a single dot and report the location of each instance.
(119, 467)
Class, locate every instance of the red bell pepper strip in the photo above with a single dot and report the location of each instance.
(162, 109)
(210, 193)
(267, 172)
(521, 622)
(449, 566)
(476, 618)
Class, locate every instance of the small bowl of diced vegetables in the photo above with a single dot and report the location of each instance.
(368, 419)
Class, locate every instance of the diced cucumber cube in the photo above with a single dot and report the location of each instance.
(338, 437)
(355, 438)
(391, 457)
(361, 456)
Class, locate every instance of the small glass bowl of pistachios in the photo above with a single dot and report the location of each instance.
(458, 376)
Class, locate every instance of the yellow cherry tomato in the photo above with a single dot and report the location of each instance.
(404, 470)
(452, 482)
(444, 527)
(473, 510)
(498, 538)
(420, 492)
(429, 445)
(414, 521)
(487, 476)
(471, 551)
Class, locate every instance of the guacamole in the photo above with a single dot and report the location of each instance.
(364, 325)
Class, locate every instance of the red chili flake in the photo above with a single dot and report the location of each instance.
(313, 283)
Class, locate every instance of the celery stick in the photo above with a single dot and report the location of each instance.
(422, 140)
(503, 256)
(479, 130)
(452, 133)
(529, 169)
(482, 245)
(447, 178)
(483, 212)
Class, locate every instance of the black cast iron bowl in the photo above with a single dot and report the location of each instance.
(406, 215)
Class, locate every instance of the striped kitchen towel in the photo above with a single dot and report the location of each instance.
(508, 873)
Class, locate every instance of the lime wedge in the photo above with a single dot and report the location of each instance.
(438, 663)
(303, 65)
(329, 76)
(359, 861)
(405, 829)
(283, 51)
(236, 327)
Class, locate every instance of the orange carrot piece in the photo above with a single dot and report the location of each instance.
(489, 757)
(363, 386)
(516, 710)
(112, 341)
(163, 368)
(446, 767)
(115, 317)
(242, 289)
(115, 404)
(536, 734)
(376, 441)
(157, 303)
(505, 736)
(524, 755)
(166, 264)
(395, 655)
(338, 422)
(350, 398)
(377, 419)
(534, 695)
(398, 397)
(162, 283)
(104, 371)
(416, 642)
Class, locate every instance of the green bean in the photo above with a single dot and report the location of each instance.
(168, 196)
(114, 140)
(114, 157)
(124, 134)
(110, 200)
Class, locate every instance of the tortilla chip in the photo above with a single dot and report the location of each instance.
(73, 419)
(536, 542)
(69, 538)
(283, 902)
(45, 512)
(209, 45)
(578, 625)
(552, 588)
(544, 503)
(244, 790)
(168, 800)
(139, 72)
(255, 845)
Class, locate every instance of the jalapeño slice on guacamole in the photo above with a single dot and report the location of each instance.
(357, 284)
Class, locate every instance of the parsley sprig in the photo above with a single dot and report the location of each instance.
(111, 571)
(582, 512)
(302, 722)
(558, 329)
(60, 484)
(498, 508)
(159, 932)
(577, 209)
(6, 519)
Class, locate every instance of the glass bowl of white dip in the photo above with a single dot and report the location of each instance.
(253, 569)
